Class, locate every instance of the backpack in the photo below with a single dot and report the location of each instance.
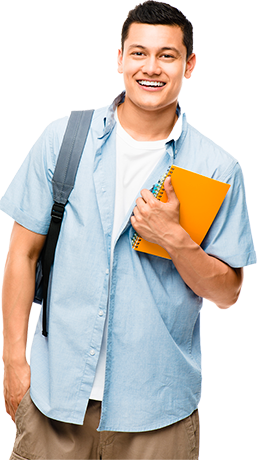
(62, 182)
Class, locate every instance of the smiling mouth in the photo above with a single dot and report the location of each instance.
(151, 84)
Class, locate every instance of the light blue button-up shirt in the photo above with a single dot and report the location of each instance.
(153, 368)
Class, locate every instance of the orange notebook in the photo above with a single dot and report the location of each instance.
(200, 199)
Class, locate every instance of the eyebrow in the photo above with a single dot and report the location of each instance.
(164, 48)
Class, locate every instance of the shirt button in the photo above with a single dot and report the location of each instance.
(107, 271)
(101, 312)
(92, 352)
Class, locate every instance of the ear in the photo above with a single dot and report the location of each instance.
(190, 65)
(120, 61)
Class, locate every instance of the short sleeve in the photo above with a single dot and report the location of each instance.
(229, 237)
(29, 199)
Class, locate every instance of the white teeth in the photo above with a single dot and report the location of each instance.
(150, 83)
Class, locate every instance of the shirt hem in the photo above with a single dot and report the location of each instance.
(152, 427)
(237, 262)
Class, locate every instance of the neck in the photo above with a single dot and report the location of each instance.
(144, 125)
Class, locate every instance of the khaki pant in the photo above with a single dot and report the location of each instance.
(39, 437)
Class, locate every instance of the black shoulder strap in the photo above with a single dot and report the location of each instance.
(63, 182)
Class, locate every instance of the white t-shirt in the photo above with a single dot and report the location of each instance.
(135, 160)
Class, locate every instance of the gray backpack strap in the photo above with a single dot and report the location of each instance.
(70, 154)
(63, 182)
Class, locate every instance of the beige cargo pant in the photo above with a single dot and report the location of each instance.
(41, 438)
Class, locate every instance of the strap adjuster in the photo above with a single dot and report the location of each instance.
(57, 211)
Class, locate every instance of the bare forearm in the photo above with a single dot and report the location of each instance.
(207, 276)
(18, 292)
(18, 289)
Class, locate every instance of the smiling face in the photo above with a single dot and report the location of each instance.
(154, 64)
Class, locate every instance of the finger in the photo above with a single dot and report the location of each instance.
(133, 221)
(135, 213)
(7, 408)
(12, 414)
(7, 404)
(169, 189)
(140, 203)
(146, 195)
(10, 411)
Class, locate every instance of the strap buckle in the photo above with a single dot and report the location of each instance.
(57, 211)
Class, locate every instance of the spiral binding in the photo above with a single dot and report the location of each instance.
(158, 191)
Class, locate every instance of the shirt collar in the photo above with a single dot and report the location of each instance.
(109, 120)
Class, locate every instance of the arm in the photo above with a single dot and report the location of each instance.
(18, 294)
(207, 276)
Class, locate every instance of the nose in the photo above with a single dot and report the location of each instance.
(151, 66)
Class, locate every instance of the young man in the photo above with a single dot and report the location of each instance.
(123, 348)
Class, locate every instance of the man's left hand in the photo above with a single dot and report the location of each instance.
(154, 220)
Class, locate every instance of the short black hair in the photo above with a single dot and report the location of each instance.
(159, 13)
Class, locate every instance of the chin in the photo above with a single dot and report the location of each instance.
(152, 106)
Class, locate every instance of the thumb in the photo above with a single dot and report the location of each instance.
(169, 189)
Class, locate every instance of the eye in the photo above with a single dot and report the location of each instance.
(168, 56)
(137, 53)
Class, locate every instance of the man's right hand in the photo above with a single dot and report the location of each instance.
(16, 384)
